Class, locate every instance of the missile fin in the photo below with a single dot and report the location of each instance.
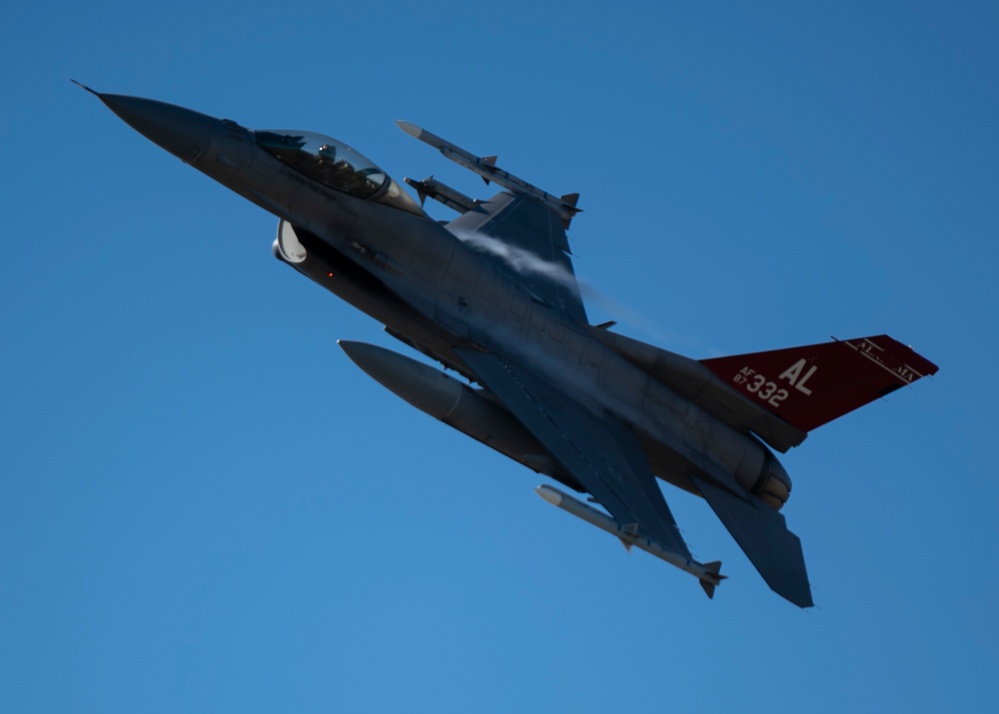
(420, 187)
(709, 585)
(714, 567)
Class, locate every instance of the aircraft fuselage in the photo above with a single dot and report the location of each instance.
(437, 292)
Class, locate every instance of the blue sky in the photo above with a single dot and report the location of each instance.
(206, 507)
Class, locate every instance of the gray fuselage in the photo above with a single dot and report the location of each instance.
(436, 292)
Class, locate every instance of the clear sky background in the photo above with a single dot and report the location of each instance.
(205, 506)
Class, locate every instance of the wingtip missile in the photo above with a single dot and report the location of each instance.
(485, 166)
(409, 127)
(552, 495)
(707, 574)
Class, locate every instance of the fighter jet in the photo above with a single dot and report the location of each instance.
(492, 296)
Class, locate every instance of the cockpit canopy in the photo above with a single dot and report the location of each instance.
(334, 164)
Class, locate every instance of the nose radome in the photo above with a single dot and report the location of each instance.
(182, 132)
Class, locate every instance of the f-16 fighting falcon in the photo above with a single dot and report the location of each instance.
(492, 296)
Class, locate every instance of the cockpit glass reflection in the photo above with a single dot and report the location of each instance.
(325, 160)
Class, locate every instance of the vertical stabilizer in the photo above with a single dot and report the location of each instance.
(809, 386)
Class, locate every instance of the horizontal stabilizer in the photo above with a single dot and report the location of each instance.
(809, 386)
(762, 534)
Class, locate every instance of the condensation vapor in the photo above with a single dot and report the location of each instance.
(526, 262)
(521, 260)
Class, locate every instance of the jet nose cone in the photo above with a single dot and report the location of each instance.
(180, 131)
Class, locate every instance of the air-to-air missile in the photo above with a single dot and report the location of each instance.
(452, 198)
(485, 166)
(706, 573)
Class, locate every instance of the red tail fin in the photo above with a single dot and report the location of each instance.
(809, 386)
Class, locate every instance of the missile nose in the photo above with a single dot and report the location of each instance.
(182, 132)
(409, 127)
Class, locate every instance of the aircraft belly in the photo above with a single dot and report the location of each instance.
(680, 439)
(353, 284)
(667, 464)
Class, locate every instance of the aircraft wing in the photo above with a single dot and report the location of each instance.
(599, 449)
(527, 240)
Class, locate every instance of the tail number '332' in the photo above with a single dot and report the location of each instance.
(769, 391)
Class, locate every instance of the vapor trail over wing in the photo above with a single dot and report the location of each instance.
(528, 241)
